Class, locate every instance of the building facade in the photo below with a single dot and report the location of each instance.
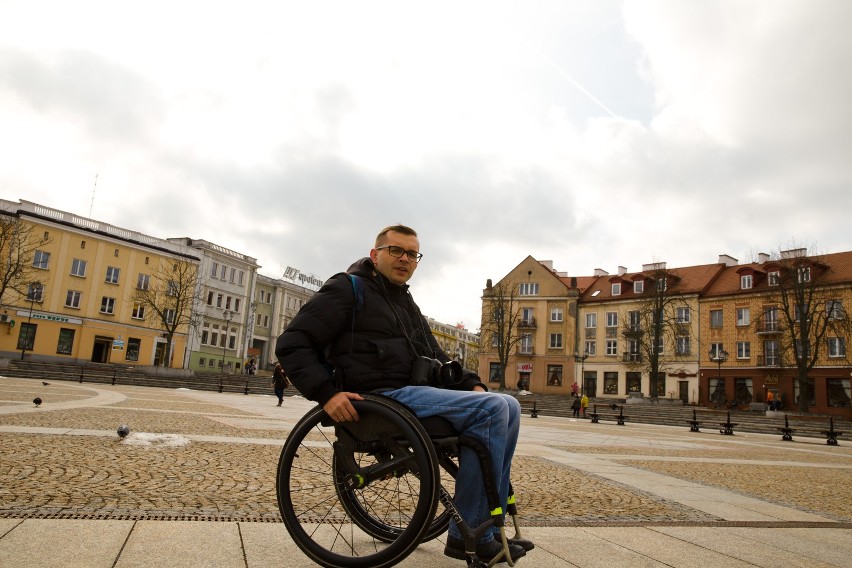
(79, 306)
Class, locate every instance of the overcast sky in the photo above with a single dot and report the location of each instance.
(591, 133)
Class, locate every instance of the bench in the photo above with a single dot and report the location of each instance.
(727, 428)
(786, 431)
(831, 434)
(619, 418)
(233, 383)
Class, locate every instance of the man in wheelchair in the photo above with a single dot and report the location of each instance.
(363, 333)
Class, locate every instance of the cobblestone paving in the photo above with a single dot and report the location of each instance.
(74, 476)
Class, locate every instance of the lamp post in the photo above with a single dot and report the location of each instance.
(719, 356)
(228, 315)
(31, 296)
(582, 360)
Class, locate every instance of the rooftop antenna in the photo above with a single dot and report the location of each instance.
(93, 196)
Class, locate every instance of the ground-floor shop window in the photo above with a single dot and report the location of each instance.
(634, 382)
(610, 382)
(839, 392)
(809, 395)
(26, 337)
(743, 393)
(717, 391)
(494, 373)
(554, 375)
(133, 345)
(66, 341)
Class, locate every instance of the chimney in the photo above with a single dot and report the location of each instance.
(601, 272)
(794, 253)
(762, 258)
(728, 260)
(622, 270)
(547, 264)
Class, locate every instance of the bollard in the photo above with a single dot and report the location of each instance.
(534, 411)
(246, 390)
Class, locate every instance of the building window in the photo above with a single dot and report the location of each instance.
(638, 286)
(715, 350)
(214, 270)
(616, 288)
(265, 321)
(526, 346)
(610, 382)
(258, 319)
(26, 337)
(774, 278)
(839, 392)
(222, 271)
(836, 347)
(78, 268)
(232, 341)
(554, 375)
(743, 391)
(528, 289)
(172, 288)
(169, 316)
(556, 341)
(634, 381)
(66, 341)
(771, 353)
(743, 317)
(633, 320)
(72, 299)
(770, 319)
(682, 345)
(143, 282)
(662, 284)
(612, 347)
(745, 282)
(612, 319)
(715, 318)
(204, 336)
(804, 274)
(743, 349)
(107, 305)
(494, 372)
(809, 395)
(228, 303)
(209, 298)
(202, 361)
(236, 304)
(240, 277)
(527, 316)
(138, 311)
(133, 345)
(112, 275)
(555, 314)
(683, 315)
(35, 292)
(591, 347)
(591, 320)
(233, 276)
(41, 259)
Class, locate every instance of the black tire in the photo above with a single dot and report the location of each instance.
(337, 507)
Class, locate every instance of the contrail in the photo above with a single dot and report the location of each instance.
(567, 77)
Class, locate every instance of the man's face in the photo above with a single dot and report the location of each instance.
(397, 270)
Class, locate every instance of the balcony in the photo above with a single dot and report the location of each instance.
(633, 331)
(632, 357)
(527, 323)
(768, 328)
(526, 350)
(768, 360)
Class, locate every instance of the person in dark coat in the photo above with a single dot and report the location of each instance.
(372, 343)
(279, 382)
(575, 406)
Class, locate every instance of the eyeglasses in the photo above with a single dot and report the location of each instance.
(397, 252)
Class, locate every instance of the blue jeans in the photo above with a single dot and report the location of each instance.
(492, 418)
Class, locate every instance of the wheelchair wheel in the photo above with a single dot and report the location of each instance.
(358, 494)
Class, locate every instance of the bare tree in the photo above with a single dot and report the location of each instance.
(805, 310)
(500, 320)
(171, 299)
(658, 330)
(19, 242)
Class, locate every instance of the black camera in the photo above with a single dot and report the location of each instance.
(431, 372)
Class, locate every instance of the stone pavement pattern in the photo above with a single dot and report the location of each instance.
(73, 494)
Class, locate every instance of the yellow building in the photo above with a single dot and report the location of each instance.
(457, 342)
(79, 306)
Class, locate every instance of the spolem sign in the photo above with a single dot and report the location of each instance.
(306, 280)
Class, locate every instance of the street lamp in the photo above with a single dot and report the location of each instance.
(719, 356)
(31, 296)
(582, 360)
(228, 315)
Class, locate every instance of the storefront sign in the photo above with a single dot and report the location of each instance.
(118, 344)
(49, 317)
(770, 380)
(525, 367)
(306, 280)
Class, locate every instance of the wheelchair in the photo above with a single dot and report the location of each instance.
(365, 494)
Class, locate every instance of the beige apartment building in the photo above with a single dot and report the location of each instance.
(79, 305)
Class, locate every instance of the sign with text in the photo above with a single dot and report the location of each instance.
(525, 367)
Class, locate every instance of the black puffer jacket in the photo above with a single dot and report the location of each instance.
(370, 349)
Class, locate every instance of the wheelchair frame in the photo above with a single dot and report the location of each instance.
(366, 494)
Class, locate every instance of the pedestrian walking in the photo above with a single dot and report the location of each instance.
(575, 406)
(279, 382)
(584, 404)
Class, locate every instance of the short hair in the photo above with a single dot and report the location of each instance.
(380, 238)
